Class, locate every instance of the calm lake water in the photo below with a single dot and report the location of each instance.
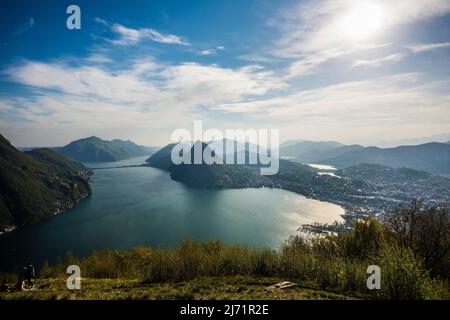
(143, 206)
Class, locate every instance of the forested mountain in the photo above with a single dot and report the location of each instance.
(37, 184)
(94, 149)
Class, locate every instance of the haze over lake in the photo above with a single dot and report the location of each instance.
(142, 206)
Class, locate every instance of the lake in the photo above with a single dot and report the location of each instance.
(142, 206)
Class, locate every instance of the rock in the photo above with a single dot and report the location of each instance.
(282, 285)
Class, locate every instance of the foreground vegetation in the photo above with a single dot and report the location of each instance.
(204, 288)
(411, 248)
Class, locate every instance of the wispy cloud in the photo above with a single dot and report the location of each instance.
(258, 58)
(147, 81)
(382, 107)
(117, 90)
(101, 21)
(98, 58)
(316, 32)
(207, 52)
(145, 94)
(422, 47)
(129, 36)
(24, 27)
(211, 52)
(379, 61)
(309, 63)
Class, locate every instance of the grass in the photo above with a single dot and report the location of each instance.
(206, 288)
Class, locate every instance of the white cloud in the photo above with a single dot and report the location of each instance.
(309, 63)
(210, 84)
(316, 32)
(99, 58)
(211, 52)
(24, 27)
(146, 80)
(208, 52)
(357, 110)
(129, 36)
(148, 95)
(256, 58)
(422, 47)
(379, 61)
(121, 87)
(148, 98)
(101, 21)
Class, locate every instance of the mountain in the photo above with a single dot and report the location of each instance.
(202, 175)
(133, 148)
(94, 149)
(318, 155)
(37, 184)
(432, 157)
(216, 176)
(220, 146)
(162, 158)
(288, 143)
(302, 150)
(291, 176)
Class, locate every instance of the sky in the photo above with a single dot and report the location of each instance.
(373, 72)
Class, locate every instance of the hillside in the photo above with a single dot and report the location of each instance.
(94, 149)
(207, 176)
(161, 159)
(37, 184)
(207, 288)
(433, 157)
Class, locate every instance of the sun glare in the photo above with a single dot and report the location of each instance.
(361, 21)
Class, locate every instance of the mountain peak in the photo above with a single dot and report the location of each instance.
(95, 149)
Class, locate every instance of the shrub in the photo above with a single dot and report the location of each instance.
(402, 276)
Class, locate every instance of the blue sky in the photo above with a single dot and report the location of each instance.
(365, 71)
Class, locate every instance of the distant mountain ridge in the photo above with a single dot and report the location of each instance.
(306, 149)
(94, 149)
(433, 157)
(37, 184)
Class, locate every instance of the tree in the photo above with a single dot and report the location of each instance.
(426, 230)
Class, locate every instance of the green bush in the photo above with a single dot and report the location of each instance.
(402, 276)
